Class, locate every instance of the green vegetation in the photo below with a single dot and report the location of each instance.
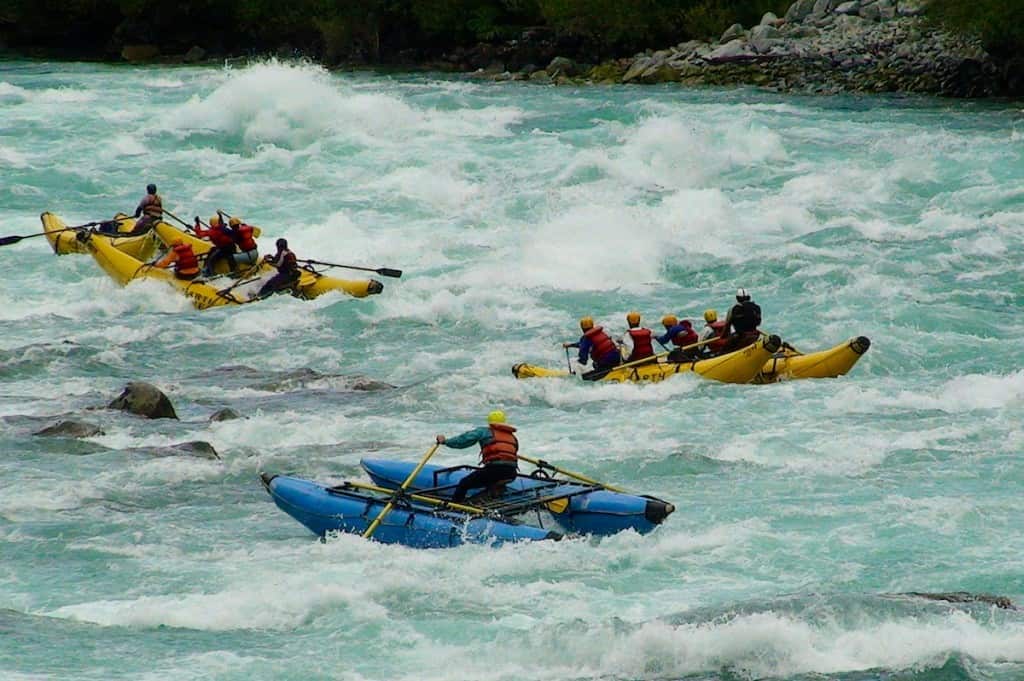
(369, 29)
(999, 23)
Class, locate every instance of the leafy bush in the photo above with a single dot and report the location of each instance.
(999, 23)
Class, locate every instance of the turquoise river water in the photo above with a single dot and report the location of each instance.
(804, 508)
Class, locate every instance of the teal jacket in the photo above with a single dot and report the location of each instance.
(481, 436)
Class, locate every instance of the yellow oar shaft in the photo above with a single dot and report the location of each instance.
(421, 497)
(577, 476)
(391, 504)
(645, 360)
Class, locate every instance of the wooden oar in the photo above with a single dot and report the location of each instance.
(434, 501)
(601, 373)
(569, 361)
(541, 463)
(394, 497)
(14, 238)
(382, 271)
(185, 224)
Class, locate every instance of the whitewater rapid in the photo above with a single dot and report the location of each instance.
(802, 508)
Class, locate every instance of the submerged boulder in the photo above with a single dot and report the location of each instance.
(144, 399)
(70, 428)
(225, 414)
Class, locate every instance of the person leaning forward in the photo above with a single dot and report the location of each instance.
(151, 208)
(498, 454)
(596, 345)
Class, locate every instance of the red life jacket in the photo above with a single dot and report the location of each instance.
(688, 337)
(186, 261)
(153, 206)
(602, 344)
(245, 241)
(642, 347)
(502, 448)
(719, 343)
(220, 236)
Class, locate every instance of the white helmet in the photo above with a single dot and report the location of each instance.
(742, 295)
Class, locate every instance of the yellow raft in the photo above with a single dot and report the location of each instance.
(141, 246)
(740, 366)
(789, 363)
(311, 283)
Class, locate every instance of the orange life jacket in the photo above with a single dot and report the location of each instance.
(602, 344)
(185, 261)
(502, 448)
(642, 346)
(154, 207)
(245, 241)
(220, 236)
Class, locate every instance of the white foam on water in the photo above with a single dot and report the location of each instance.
(963, 394)
(12, 158)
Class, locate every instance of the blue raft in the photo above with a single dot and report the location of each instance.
(575, 507)
(325, 509)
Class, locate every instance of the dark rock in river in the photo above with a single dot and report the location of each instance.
(195, 448)
(225, 414)
(140, 52)
(195, 54)
(965, 597)
(144, 399)
(70, 428)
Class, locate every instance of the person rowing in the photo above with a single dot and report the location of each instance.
(637, 339)
(595, 345)
(681, 334)
(287, 270)
(181, 255)
(499, 451)
(151, 210)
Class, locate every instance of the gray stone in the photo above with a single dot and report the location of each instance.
(763, 32)
(910, 8)
(540, 77)
(636, 68)
(823, 7)
(225, 414)
(561, 66)
(733, 32)
(363, 383)
(799, 10)
(144, 399)
(659, 73)
(887, 8)
(70, 428)
(769, 19)
(766, 45)
(870, 12)
(849, 24)
(195, 54)
(735, 50)
(195, 448)
(851, 7)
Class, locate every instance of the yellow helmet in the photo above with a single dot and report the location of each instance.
(215, 221)
(633, 318)
(587, 323)
(710, 316)
(669, 320)
(496, 416)
(234, 222)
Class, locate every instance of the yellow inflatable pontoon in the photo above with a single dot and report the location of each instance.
(740, 366)
(311, 283)
(789, 363)
(65, 241)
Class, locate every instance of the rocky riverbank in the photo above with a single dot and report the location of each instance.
(818, 47)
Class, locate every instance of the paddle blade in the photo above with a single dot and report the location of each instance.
(8, 240)
(386, 272)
